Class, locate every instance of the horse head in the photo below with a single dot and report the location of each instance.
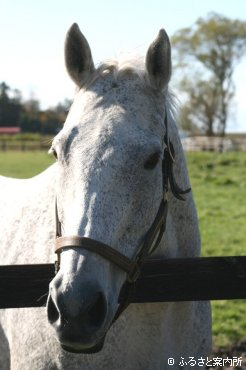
(109, 182)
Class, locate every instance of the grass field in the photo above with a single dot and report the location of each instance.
(24, 164)
(219, 186)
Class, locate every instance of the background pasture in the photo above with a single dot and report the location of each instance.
(219, 185)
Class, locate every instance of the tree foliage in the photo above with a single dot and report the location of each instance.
(199, 113)
(27, 114)
(10, 107)
(212, 48)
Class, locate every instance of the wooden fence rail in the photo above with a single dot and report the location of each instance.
(190, 279)
(24, 145)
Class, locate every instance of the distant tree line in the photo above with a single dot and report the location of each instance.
(27, 115)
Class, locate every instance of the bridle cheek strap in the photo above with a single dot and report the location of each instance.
(130, 266)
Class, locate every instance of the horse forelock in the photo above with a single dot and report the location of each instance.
(125, 66)
(121, 67)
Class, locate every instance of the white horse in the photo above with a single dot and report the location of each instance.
(108, 183)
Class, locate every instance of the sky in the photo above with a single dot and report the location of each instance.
(32, 37)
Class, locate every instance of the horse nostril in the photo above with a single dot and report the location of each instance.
(97, 310)
(84, 309)
(53, 314)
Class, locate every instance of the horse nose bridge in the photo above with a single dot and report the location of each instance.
(94, 215)
(95, 204)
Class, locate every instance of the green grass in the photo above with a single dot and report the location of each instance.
(219, 186)
(24, 164)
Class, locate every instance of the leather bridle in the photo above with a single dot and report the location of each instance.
(132, 266)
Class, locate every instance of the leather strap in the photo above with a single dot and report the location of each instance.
(58, 223)
(95, 246)
(151, 241)
(130, 266)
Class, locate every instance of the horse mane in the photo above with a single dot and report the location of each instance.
(135, 65)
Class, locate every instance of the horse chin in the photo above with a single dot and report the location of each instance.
(72, 348)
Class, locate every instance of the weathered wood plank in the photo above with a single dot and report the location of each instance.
(211, 278)
(25, 285)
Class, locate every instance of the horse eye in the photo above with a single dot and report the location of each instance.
(54, 152)
(152, 161)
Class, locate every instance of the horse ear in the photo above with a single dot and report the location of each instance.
(78, 58)
(158, 61)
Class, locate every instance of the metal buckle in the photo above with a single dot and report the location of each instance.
(57, 266)
(134, 274)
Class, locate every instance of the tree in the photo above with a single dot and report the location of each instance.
(200, 110)
(28, 115)
(213, 46)
(10, 108)
(4, 91)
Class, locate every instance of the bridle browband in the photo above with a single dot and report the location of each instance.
(132, 266)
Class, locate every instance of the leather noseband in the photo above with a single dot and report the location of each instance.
(130, 266)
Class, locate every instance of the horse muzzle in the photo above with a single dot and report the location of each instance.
(78, 315)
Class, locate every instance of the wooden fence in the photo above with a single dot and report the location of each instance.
(171, 280)
(214, 144)
(23, 145)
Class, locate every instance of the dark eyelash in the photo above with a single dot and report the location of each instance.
(53, 151)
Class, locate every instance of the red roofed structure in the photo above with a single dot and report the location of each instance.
(9, 130)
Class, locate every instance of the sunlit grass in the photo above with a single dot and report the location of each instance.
(24, 164)
(219, 187)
